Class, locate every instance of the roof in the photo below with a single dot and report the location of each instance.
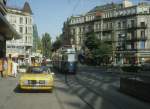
(14, 8)
(106, 7)
(27, 8)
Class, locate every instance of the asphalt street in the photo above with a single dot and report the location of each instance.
(89, 89)
(60, 98)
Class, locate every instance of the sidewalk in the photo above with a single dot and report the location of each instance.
(116, 70)
(107, 69)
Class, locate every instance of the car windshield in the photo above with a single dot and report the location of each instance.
(36, 70)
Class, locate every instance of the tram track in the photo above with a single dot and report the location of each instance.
(75, 85)
(62, 79)
(91, 94)
(100, 79)
(100, 95)
(111, 94)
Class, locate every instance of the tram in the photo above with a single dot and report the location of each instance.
(66, 61)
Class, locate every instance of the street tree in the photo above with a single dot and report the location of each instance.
(39, 44)
(92, 41)
(46, 45)
(57, 44)
(99, 51)
(35, 38)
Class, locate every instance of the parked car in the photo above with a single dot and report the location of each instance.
(49, 64)
(145, 66)
(22, 68)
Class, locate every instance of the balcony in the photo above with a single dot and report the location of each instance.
(131, 39)
(135, 26)
(107, 29)
(142, 38)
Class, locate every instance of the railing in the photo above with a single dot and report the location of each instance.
(107, 29)
(142, 38)
(137, 26)
(129, 38)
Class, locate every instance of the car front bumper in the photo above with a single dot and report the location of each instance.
(36, 87)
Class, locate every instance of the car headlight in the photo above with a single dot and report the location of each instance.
(46, 82)
(25, 82)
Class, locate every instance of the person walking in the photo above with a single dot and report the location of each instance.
(1, 67)
(5, 68)
(10, 65)
(15, 68)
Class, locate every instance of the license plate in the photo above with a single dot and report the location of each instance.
(33, 82)
(41, 82)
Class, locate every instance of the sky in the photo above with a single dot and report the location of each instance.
(49, 15)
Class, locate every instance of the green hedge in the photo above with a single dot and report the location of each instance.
(23, 66)
(130, 68)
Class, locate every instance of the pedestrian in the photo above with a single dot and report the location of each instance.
(1, 67)
(14, 68)
(5, 67)
(9, 70)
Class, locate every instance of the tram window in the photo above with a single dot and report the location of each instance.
(71, 57)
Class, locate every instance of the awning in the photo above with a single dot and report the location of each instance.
(14, 55)
(7, 30)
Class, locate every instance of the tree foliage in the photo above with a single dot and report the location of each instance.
(39, 44)
(57, 44)
(46, 45)
(35, 38)
(98, 51)
(91, 42)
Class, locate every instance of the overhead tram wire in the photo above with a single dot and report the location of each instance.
(75, 6)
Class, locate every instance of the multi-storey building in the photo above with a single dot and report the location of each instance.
(21, 20)
(125, 26)
(7, 32)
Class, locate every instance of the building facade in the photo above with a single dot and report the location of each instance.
(125, 26)
(21, 20)
(7, 32)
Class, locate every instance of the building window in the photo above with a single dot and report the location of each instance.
(132, 45)
(26, 30)
(142, 24)
(124, 24)
(21, 29)
(119, 25)
(132, 23)
(142, 44)
(26, 39)
(21, 20)
(142, 33)
(26, 20)
(111, 25)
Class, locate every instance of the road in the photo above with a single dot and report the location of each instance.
(89, 89)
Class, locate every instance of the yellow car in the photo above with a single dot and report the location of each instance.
(37, 78)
